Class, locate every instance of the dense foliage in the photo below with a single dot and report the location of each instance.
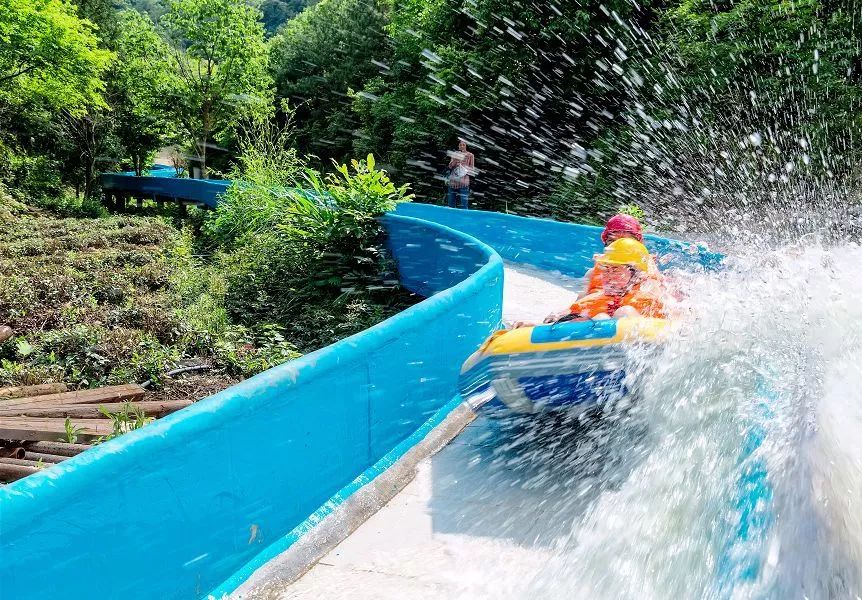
(114, 300)
(48, 55)
(571, 109)
(220, 68)
(301, 248)
(574, 109)
(317, 59)
(275, 12)
(293, 259)
(139, 85)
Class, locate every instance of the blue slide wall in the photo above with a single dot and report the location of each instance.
(163, 182)
(174, 509)
(194, 502)
(550, 245)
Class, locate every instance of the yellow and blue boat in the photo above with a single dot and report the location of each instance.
(574, 365)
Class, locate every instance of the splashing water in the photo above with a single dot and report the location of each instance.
(654, 505)
(733, 475)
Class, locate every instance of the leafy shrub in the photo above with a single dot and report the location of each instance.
(267, 169)
(10, 208)
(282, 250)
(34, 176)
(69, 205)
(128, 418)
(246, 351)
(633, 210)
(293, 260)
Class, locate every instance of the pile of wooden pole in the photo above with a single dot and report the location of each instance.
(19, 459)
(33, 432)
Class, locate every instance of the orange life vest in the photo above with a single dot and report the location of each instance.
(595, 282)
(646, 302)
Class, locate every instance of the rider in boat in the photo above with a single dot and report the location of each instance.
(627, 289)
(618, 227)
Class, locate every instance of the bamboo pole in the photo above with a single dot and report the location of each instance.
(103, 395)
(12, 452)
(20, 462)
(46, 458)
(52, 429)
(93, 411)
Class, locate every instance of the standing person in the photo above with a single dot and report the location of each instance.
(461, 166)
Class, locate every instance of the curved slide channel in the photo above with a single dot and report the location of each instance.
(195, 501)
(680, 499)
(551, 511)
(704, 490)
(470, 524)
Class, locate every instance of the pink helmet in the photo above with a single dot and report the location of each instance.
(625, 223)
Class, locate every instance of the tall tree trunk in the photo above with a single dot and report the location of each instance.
(203, 156)
(90, 155)
(205, 136)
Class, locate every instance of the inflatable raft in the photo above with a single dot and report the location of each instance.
(574, 365)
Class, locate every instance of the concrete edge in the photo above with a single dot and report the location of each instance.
(273, 578)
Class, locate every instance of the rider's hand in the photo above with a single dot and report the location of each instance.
(554, 317)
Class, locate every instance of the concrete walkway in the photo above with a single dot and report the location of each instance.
(443, 534)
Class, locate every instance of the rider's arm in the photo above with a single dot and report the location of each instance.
(588, 277)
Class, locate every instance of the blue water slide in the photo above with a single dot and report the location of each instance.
(176, 508)
(567, 248)
(163, 183)
(195, 502)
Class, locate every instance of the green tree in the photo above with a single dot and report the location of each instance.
(792, 68)
(747, 103)
(318, 59)
(220, 68)
(528, 85)
(139, 84)
(104, 15)
(277, 12)
(50, 56)
(152, 8)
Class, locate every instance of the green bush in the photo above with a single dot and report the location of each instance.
(281, 250)
(244, 352)
(66, 204)
(34, 176)
(91, 355)
(335, 233)
(200, 295)
(10, 208)
(198, 290)
(267, 169)
(632, 210)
